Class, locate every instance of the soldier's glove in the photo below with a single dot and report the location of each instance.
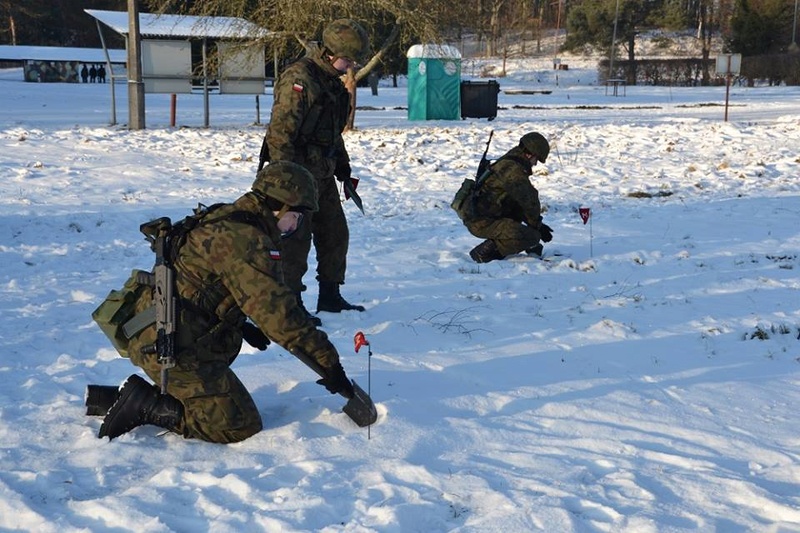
(253, 335)
(337, 382)
(344, 172)
(546, 232)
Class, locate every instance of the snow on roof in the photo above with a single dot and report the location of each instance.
(57, 53)
(439, 51)
(154, 25)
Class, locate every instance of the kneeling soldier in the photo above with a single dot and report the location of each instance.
(503, 206)
(226, 268)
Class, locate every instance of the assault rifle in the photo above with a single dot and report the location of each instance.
(483, 166)
(156, 232)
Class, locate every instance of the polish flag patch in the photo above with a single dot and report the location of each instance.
(275, 255)
(297, 88)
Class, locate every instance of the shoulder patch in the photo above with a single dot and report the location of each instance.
(275, 255)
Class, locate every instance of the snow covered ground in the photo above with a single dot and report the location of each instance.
(646, 380)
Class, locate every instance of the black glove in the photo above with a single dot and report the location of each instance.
(343, 170)
(253, 335)
(546, 232)
(337, 382)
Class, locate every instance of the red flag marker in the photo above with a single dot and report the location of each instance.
(585, 213)
(360, 340)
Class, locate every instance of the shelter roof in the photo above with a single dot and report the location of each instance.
(181, 26)
(57, 53)
(438, 51)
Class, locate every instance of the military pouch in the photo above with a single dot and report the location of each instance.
(119, 308)
(461, 200)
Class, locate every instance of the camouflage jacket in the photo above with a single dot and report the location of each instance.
(508, 193)
(309, 114)
(228, 269)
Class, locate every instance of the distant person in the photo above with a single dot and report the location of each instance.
(85, 74)
(101, 74)
(503, 205)
(373, 78)
(227, 267)
(92, 74)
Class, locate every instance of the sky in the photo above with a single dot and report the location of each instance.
(643, 377)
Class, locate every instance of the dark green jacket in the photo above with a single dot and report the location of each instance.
(309, 114)
(229, 269)
(507, 192)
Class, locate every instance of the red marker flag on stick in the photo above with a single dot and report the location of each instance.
(585, 213)
(360, 340)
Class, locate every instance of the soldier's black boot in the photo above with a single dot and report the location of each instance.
(315, 319)
(331, 300)
(536, 250)
(99, 399)
(141, 403)
(485, 252)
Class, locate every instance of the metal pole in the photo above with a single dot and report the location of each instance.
(110, 75)
(613, 43)
(205, 82)
(727, 85)
(135, 85)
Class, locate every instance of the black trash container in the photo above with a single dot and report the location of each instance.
(479, 99)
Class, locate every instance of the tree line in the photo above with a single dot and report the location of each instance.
(498, 27)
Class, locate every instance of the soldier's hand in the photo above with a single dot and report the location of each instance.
(343, 170)
(253, 335)
(546, 232)
(337, 382)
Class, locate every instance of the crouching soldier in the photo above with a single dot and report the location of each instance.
(226, 267)
(502, 206)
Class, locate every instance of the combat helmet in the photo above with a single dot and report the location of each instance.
(535, 143)
(346, 38)
(289, 183)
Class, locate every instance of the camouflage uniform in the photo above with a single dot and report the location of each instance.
(227, 269)
(506, 208)
(309, 114)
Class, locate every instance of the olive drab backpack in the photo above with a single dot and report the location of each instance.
(464, 199)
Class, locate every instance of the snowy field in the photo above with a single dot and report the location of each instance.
(646, 380)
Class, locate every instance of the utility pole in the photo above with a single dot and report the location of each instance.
(613, 43)
(793, 46)
(135, 84)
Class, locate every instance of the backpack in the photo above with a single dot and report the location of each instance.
(462, 200)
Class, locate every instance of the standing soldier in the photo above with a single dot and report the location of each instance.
(503, 206)
(309, 114)
(227, 268)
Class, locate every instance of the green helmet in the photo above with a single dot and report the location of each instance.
(346, 38)
(289, 183)
(535, 143)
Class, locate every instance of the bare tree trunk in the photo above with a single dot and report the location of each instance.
(350, 84)
(13, 28)
(631, 60)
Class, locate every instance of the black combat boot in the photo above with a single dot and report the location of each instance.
(99, 399)
(331, 300)
(317, 321)
(485, 252)
(141, 403)
(536, 250)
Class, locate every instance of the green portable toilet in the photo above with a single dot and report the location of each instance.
(434, 82)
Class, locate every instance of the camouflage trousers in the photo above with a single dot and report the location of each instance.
(217, 406)
(510, 236)
(331, 237)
